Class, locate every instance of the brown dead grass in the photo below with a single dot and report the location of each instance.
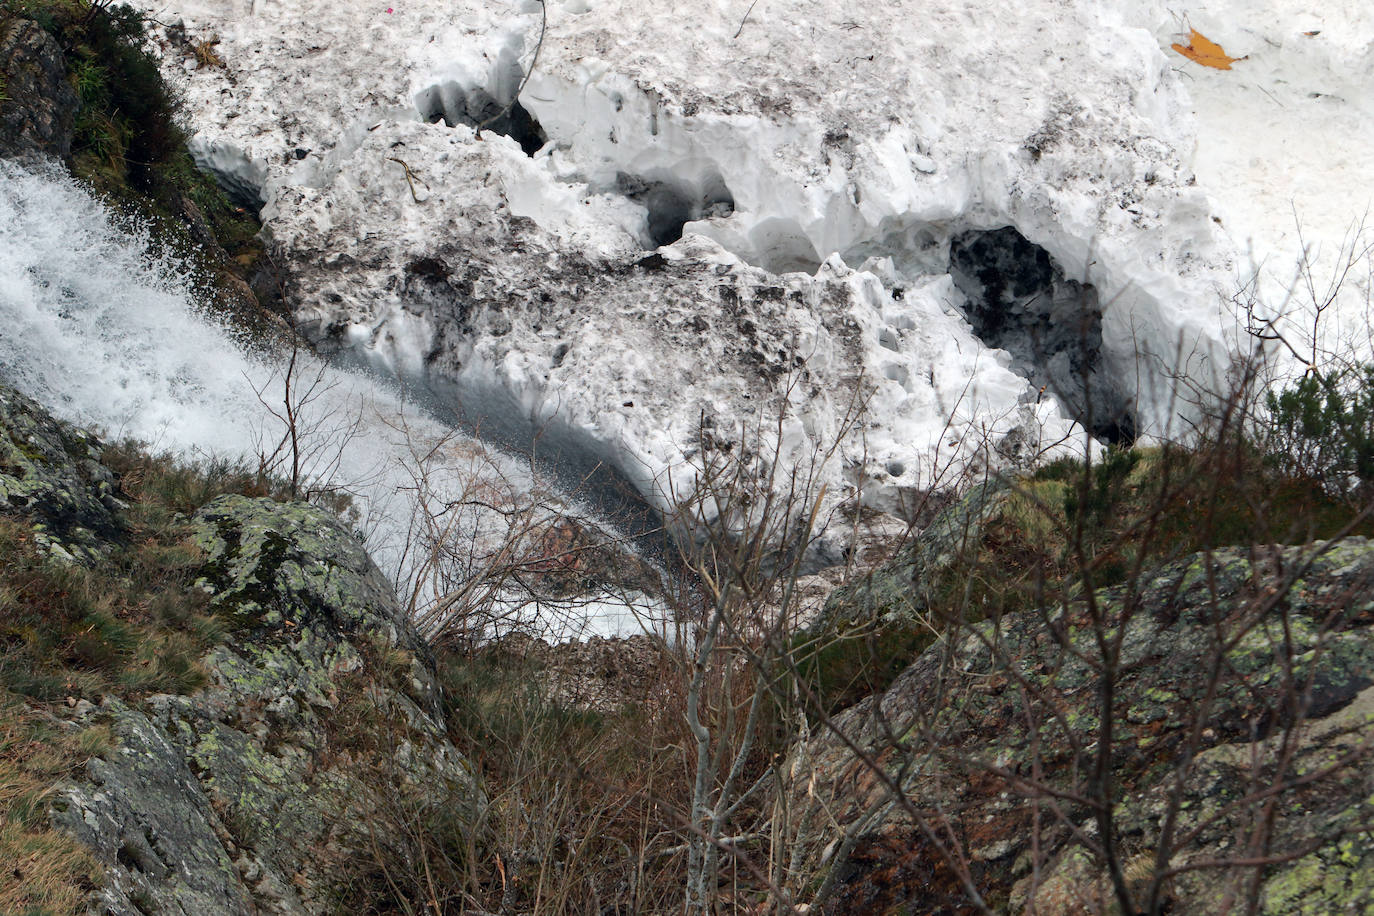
(42, 871)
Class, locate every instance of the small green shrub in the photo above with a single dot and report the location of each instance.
(126, 129)
(1323, 430)
(841, 671)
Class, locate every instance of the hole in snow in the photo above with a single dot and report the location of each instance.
(454, 105)
(239, 176)
(776, 245)
(1018, 300)
(916, 248)
(673, 201)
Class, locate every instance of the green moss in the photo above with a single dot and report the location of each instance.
(849, 666)
(131, 620)
(129, 147)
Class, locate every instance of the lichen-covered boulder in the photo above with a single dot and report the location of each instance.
(1242, 703)
(144, 814)
(317, 739)
(52, 473)
(37, 104)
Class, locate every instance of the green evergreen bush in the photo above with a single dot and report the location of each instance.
(1323, 430)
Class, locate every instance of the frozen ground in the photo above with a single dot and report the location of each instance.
(828, 160)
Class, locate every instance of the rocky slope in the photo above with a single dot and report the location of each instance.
(38, 105)
(316, 740)
(314, 756)
(319, 732)
(1243, 731)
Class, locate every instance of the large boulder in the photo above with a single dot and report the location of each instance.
(895, 593)
(1266, 737)
(37, 103)
(318, 736)
(868, 629)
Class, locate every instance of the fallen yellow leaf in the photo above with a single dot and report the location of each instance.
(1203, 50)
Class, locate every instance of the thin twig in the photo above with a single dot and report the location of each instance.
(744, 20)
(539, 46)
(409, 177)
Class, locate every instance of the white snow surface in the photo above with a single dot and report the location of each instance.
(854, 138)
(1285, 150)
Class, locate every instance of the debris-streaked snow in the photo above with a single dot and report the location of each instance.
(849, 141)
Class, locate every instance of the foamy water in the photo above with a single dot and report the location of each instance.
(108, 334)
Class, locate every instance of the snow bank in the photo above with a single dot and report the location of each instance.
(817, 160)
(1285, 149)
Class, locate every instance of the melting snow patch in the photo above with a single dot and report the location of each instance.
(749, 159)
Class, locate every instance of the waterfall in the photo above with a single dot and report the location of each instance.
(108, 333)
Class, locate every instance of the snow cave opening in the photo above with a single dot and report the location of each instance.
(477, 108)
(1018, 300)
(673, 201)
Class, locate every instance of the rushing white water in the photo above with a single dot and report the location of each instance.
(106, 333)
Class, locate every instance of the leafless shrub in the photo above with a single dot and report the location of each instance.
(1058, 617)
(1044, 623)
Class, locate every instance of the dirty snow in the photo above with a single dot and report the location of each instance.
(824, 155)
(106, 333)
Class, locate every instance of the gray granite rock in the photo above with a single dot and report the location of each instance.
(318, 731)
(52, 473)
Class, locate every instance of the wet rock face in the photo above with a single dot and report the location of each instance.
(37, 104)
(259, 792)
(1019, 300)
(52, 473)
(953, 732)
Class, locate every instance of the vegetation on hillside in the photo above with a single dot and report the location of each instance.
(676, 792)
(130, 146)
(130, 624)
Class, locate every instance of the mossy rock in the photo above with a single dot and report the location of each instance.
(51, 473)
(1296, 627)
(871, 629)
(274, 566)
(316, 742)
